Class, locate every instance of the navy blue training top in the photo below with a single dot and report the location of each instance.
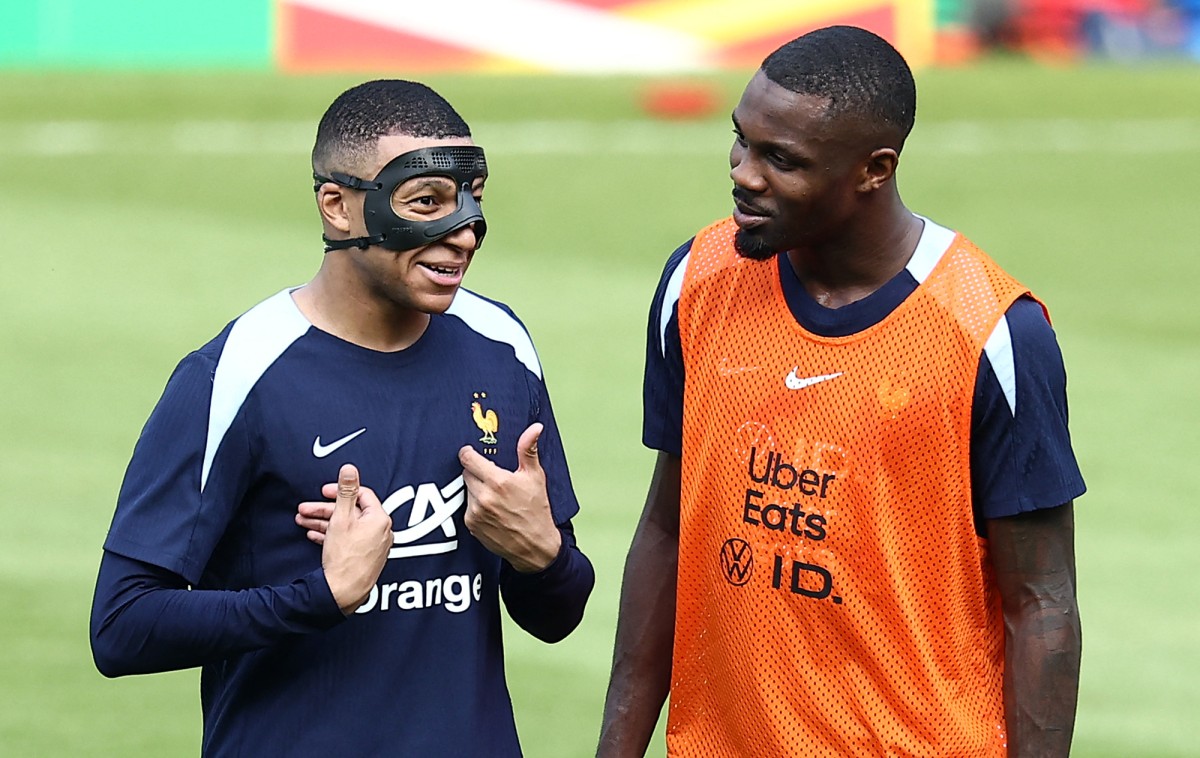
(255, 422)
(1021, 456)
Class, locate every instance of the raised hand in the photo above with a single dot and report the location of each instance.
(509, 511)
(356, 540)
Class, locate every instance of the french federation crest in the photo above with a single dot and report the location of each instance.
(485, 419)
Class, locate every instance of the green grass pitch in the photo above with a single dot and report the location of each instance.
(142, 212)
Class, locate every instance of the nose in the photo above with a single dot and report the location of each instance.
(466, 238)
(743, 170)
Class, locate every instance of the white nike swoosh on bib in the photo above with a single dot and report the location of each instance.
(794, 382)
(321, 451)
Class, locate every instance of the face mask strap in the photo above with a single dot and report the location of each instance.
(344, 180)
(350, 182)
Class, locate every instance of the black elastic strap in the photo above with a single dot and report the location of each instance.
(352, 182)
(362, 243)
(345, 180)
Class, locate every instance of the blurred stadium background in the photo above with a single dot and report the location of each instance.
(155, 163)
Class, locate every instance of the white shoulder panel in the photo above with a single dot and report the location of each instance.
(935, 241)
(670, 298)
(257, 338)
(495, 323)
(999, 351)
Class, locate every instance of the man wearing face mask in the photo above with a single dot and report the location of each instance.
(409, 419)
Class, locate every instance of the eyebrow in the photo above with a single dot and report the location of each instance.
(422, 182)
(791, 151)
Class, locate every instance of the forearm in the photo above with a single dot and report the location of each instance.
(549, 604)
(1034, 557)
(1043, 643)
(145, 620)
(641, 670)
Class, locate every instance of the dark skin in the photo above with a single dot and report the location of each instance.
(1033, 555)
(641, 675)
(822, 190)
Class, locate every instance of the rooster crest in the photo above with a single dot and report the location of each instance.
(487, 422)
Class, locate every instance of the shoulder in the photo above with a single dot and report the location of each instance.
(670, 282)
(497, 322)
(255, 338)
(1021, 453)
(263, 332)
(251, 344)
(666, 294)
(1028, 321)
(1024, 331)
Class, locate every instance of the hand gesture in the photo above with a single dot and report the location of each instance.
(356, 539)
(314, 516)
(509, 511)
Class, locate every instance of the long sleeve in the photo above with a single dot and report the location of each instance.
(549, 603)
(146, 620)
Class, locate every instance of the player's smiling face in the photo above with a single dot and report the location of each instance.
(426, 278)
(794, 170)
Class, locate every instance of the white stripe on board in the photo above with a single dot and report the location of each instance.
(630, 137)
(565, 38)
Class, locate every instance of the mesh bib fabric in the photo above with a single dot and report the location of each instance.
(833, 596)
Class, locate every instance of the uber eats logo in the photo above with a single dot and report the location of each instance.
(771, 504)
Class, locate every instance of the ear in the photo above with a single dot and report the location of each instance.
(332, 201)
(879, 169)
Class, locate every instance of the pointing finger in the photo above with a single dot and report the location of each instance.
(473, 463)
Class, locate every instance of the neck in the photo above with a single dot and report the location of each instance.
(845, 270)
(338, 304)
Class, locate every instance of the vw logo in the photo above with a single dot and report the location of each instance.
(737, 561)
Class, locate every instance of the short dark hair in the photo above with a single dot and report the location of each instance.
(362, 114)
(858, 71)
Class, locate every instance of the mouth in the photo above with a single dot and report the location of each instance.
(748, 218)
(747, 214)
(444, 274)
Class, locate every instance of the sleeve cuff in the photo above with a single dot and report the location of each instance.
(324, 608)
(547, 575)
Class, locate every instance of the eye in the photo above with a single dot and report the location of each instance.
(739, 138)
(425, 205)
(782, 161)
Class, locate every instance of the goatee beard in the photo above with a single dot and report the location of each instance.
(750, 245)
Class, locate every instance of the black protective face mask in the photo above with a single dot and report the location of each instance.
(461, 164)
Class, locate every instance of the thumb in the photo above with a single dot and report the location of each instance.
(347, 490)
(527, 447)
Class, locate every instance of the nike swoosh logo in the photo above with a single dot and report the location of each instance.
(794, 382)
(321, 451)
